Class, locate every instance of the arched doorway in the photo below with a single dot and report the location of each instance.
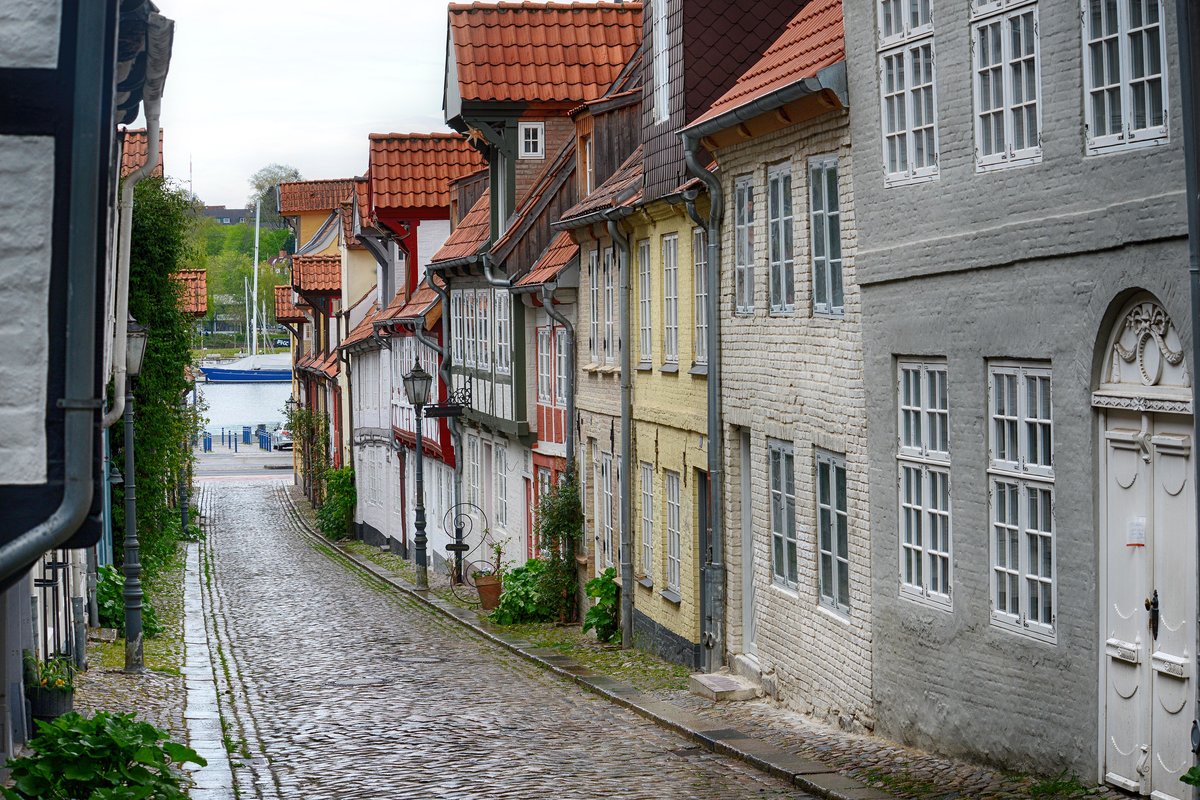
(1147, 553)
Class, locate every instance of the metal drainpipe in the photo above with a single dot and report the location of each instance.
(622, 242)
(79, 404)
(1188, 24)
(714, 573)
(548, 303)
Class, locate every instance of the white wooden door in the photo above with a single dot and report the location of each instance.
(750, 601)
(1149, 554)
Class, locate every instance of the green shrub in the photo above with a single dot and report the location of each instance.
(105, 757)
(523, 599)
(110, 597)
(337, 511)
(603, 615)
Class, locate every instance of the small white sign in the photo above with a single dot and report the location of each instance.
(1135, 535)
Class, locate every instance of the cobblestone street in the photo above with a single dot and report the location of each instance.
(334, 686)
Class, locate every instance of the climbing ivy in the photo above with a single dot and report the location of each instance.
(310, 433)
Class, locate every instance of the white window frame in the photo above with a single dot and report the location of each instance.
(524, 139)
(610, 307)
(500, 483)
(1003, 14)
(781, 489)
(700, 279)
(503, 313)
(560, 366)
(589, 165)
(743, 236)
(826, 230)
(647, 520)
(606, 499)
(645, 317)
(670, 257)
(1021, 466)
(469, 334)
(674, 527)
(544, 370)
(456, 324)
(662, 62)
(594, 293)
(473, 477)
(902, 41)
(925, 522)
(832, 509)
(781, 239)
(1128, 137)
(483, 327)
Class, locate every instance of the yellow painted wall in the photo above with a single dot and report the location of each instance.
(310, 223)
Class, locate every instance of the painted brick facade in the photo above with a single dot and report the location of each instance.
(797, 378)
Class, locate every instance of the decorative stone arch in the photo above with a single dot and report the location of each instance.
(1144, 364)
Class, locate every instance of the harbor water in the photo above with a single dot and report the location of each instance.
(234, 405)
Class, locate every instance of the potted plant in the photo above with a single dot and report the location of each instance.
(49, 685)
(489, 581)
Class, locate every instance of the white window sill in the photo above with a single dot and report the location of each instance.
(744, 312)
(836, 614)
(835, 315)
(787, 590)
(1040, 634)
(994, 164)
(940, 602)
(1113, 147)
(904, 179)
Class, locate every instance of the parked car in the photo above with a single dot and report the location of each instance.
(281, 439)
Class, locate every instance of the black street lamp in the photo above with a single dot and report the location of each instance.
(417, 384)
(134, 662)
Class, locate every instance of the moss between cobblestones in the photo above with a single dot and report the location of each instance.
(404, 569)
(163, 653)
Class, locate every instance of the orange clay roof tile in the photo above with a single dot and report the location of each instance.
(362, 331)
(296, 197)
(813, 40)
(317, 274)
(285, 310)
(541, 52)
(414, 170)
(134, 151)
(193, 291)
(471, 233)
(552, 261)
(623, 188)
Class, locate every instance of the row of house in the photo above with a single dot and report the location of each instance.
(863, 328)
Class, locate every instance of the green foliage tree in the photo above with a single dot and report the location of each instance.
(262, 190)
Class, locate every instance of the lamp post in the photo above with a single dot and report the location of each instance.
(135, 352)
(417, 384)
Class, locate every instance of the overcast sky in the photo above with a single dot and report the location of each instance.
(299, 82)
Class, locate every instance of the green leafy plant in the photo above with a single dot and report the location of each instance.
(603, 615)
(1192, 776)
(55, 674)
(523, 599)
(559, 528)
(337, 512)
(110, 598)
(104, 757)
(310, 433)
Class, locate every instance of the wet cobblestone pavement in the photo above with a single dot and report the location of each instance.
(335, 686)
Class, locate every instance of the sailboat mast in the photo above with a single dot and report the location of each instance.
(246, 304)
(257, 219)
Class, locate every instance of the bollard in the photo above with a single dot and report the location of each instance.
(245, 434)
(235, 445)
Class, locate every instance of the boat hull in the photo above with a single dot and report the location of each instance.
(219, 375)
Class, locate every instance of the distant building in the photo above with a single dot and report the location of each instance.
(228, 216)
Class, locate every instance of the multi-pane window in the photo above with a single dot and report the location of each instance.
(473, 487)
(662, 62)
(782, 476)
(700, 278)
(644, 342)
(533, 139)
(456, 319)
(589, 166)
(670, 254)
(1125, 81)
(544, 372)
(606, 503)
(671, 487)
(594, 290)
(469, 307)
(743, 234)
(1021, 473)
(647, 520)
(906, 90)
(924, 463)
(560, 363)
(500, 485)
(503, 333)
(825, 209)
(610, 308)
(779, 238)
(484, 328)
(1007, 83)
(833, 533)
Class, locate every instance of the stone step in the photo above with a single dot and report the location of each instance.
(723, 686)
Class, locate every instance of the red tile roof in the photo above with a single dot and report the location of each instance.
(471, 233)
(296, 197)
(541, 52)
(813, 40)
(317, 274)
(623, 188)
(414, 170)
(329, 366)
(134, 151)
(362, 331)
(285, 310)
(193, 291)
(425, 304)
(557, 255)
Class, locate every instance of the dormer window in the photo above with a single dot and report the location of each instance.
(533, 139)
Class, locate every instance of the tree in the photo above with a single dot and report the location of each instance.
(263, 185)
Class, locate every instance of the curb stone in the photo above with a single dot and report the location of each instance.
(803, 773)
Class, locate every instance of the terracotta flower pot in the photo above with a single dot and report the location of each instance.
(489, 588)
(49, 704)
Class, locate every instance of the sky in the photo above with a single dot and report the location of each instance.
(299, 82)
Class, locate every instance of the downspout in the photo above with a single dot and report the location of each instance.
(561, 319)
(622, 242)
(714, 572)
(160, 35)
(1188, 24)
(78, 402)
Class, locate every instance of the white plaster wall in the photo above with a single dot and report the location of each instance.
(29, 33)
